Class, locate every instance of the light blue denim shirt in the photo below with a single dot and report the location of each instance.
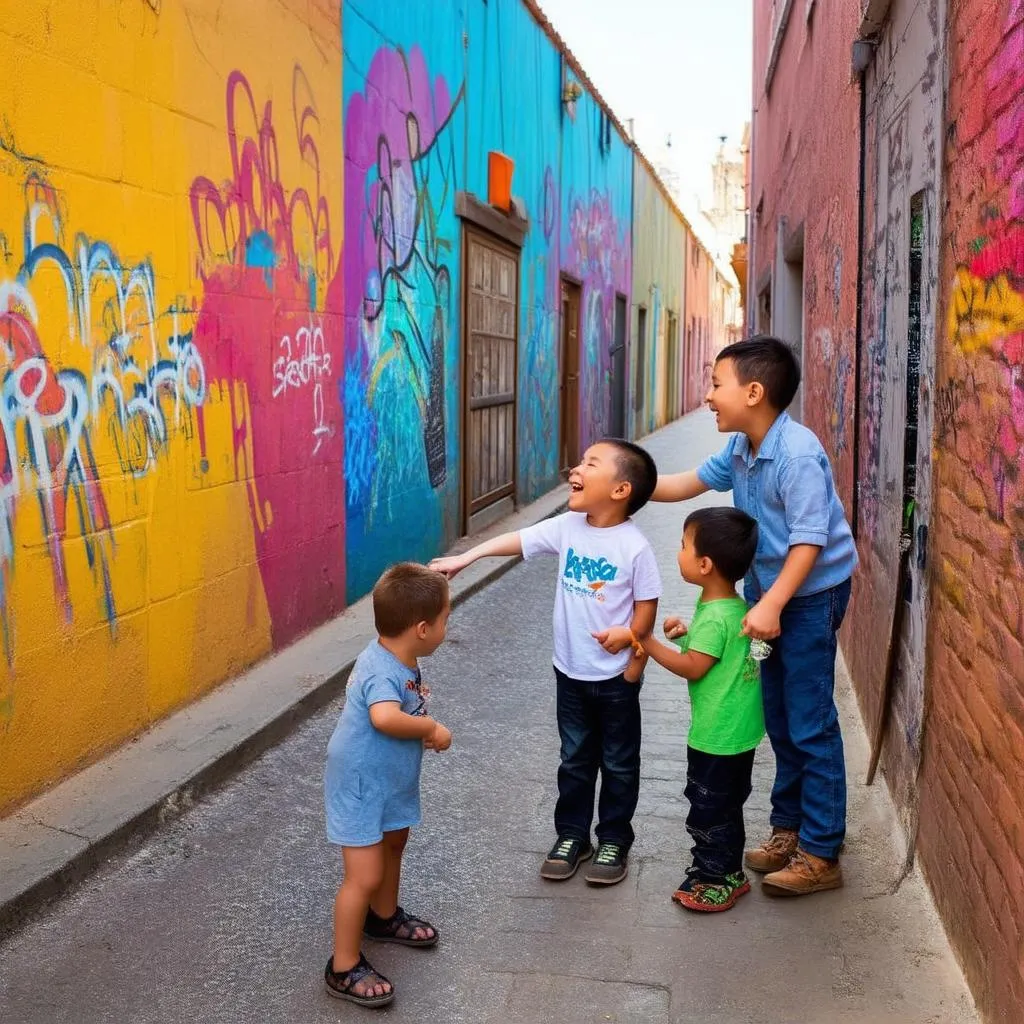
(788, 489)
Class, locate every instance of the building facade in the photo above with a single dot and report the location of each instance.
(271, 322)
(887, 243)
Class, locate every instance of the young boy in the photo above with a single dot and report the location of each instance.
(608, 576)
(372, 781)
(798, 589)
(727, 722)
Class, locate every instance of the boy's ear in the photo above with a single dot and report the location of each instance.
(421, 630)
(705, 565)
(755, 393)
(623, 489)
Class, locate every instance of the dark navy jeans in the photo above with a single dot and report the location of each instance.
(798, 683)
(599, 725)
(717, 786)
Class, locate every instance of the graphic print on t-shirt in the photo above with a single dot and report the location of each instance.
(587, 576)
(422, 692)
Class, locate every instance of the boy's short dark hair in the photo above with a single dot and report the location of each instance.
(638, 470)
(769, 361)
(406, 594)
(725, 535)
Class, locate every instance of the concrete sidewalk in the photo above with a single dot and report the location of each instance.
(58, 838)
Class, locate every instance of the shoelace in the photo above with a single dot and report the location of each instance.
(777, 842)
(607, 853)
(564, 848)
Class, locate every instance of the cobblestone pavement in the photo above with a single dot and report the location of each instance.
(225, 914)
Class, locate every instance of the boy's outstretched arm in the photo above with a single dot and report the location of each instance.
(679, 486)
(693, 665)
(506, 544)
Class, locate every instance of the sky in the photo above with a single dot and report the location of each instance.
(677, 67)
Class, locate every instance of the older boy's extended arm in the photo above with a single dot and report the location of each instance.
(691, 665)
(506, 544)
(679, 486)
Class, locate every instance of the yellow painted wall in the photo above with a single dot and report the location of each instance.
(128, 536)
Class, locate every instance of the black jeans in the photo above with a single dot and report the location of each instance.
(717, 785)
(599, 725)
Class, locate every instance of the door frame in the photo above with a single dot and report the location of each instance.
(563, 279)
(469, 230)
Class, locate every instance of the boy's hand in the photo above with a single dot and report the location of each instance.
(450, 566)
(762, 622)
(614, 640)
(440, 739)
(674, 627)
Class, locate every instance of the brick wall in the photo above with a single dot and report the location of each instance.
(972, 788)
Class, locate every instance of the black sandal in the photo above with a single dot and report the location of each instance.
(340, 983)
(399, 927)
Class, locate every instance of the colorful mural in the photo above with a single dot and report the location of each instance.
(400, 308)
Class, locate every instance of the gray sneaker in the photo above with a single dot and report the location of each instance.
(565, 857)
(609, 865)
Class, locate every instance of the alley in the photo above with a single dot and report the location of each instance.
(224, 915)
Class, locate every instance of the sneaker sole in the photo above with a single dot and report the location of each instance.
(702, 908)
(592, 880)
(780, 890)
(582, 859)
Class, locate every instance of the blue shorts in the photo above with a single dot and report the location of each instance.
(360, 810)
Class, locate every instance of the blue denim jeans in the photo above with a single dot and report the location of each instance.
(798, 683)
(599, 726)
(717, 786)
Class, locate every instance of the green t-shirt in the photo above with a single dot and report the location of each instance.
(727, 715)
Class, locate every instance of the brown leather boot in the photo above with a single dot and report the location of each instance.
(804, 874)
(774, 853)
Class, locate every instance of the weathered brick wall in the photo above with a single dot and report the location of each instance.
(972, 787)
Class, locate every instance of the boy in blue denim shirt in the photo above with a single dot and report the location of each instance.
(798, 589)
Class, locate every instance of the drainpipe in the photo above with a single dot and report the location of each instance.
(863, 54)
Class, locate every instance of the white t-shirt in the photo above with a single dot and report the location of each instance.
(602, 572)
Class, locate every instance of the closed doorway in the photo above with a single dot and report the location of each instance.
(569, 383)
(491, 308)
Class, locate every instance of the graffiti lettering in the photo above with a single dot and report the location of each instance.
(141, 383)
(309, 363)
(595, 570)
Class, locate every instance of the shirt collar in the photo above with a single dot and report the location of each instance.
(770, 444)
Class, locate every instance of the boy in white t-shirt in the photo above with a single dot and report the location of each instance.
(608, 577)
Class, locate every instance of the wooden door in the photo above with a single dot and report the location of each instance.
(569, 385)
(491, 301)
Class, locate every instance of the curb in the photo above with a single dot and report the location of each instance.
(43, 855)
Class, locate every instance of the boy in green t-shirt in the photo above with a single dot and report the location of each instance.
(727, 721)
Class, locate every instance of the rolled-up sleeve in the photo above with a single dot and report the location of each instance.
(716, 471)
(804, 490)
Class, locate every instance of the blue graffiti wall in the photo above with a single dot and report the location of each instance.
(405, 135)
(513, 107)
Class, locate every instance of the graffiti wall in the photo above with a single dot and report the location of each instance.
(973, 755)
(231, 304)
(519, 114)
(659, 252)
(170, 236)
(900, 316)
(404, 102)
(597, 168)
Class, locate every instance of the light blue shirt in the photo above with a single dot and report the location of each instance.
(788, 489)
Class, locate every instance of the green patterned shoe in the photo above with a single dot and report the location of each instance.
(712, 898)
